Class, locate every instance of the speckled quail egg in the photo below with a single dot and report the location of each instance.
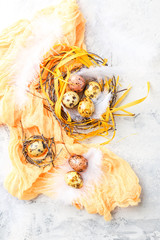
(78, 163)
(86, 107)
(93, 90)
(37, 149)
(73, 179)
(70, 99)
(76, 83)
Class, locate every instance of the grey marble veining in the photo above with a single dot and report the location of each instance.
(127, 32)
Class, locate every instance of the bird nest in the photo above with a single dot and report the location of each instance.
(55, 73)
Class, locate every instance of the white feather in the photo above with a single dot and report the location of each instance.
(99, 72)
(101, 104)
(45, 32)
(91, 177)
(73, 112)
(93, 173)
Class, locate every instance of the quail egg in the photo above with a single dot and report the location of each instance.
(70, 99)
(37, 149)
(93, 90)
(86, 107)
(76, 83)
(78, 163)
(73, 179)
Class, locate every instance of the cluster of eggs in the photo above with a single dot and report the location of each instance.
(71, 98)
(74, 178)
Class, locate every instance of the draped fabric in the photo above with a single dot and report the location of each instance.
(119, 185)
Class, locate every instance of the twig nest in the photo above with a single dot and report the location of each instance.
(93, 90)
(86, 107)
(70, 99)
(74, 179)
(78, 163)
(76, 83)
(36, 148)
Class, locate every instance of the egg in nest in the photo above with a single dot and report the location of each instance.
(93, 90)
(76, 83)
(70, 99)
(86, 107)
(37, 149)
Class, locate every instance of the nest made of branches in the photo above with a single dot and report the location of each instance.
(56, 69)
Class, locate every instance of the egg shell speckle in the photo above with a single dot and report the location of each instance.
(74, 179)
(70, 99)
(93, 90)
(86, 107)
(76, 83)
(36, 149)
(78, 163)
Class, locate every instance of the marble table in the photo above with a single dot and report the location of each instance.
(127, 33)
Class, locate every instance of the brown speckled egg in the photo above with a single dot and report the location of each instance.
(76, 83)
(78, 163)
(37, 149)
(70, 99)
(73, 179)
(93, 90)
(86, 107)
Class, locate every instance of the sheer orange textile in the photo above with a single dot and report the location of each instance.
(119, 186)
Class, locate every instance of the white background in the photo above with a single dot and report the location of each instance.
(128, 34)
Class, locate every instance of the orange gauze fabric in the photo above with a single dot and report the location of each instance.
(119, 185)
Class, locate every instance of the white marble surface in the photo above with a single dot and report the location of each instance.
(128, 33)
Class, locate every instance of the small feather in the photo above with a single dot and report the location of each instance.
(73, 112)
(98, 72)
(44, 33)
(101, 104)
